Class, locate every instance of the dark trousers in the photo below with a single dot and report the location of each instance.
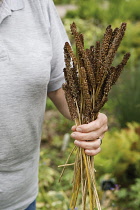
(32, 206)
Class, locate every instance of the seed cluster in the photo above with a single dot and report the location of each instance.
(89, 76)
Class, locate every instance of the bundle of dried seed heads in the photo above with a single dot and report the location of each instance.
(89, 77)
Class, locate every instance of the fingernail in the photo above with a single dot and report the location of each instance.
(79, 129)
(73, 135)
(76, 142)
(73, 127)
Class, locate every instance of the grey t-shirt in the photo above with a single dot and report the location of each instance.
(31, 64)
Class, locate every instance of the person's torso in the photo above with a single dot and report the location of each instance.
(25, 55)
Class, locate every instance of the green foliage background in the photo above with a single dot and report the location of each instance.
(120, 157)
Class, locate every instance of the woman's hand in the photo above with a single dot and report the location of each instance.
(88, 136)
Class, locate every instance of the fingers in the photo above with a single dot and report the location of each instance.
(92, 126)
(87, 135)
(74, 128)
(88, 144)
(91, 147)
(92, 130)
(93, 152)
(93, 135)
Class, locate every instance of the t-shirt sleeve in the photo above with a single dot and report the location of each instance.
(58, 39)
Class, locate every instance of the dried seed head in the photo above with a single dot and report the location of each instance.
(89, 75)
(81, 36)
(73, 28)
(118, 69)
(114, 33)
(82, 56)
(85, 93)
(70, 51)
(108, 82)
(115, 44)
(97, 60)
(71, 102)
(106, 42)
(97, 108)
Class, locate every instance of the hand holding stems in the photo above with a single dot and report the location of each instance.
(88, 136)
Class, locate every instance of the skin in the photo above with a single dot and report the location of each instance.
(91, 132)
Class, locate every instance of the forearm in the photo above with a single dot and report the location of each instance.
(58, 98)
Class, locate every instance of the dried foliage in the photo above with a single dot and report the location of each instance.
(89, 77)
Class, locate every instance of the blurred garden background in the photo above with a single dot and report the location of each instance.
(118, 165)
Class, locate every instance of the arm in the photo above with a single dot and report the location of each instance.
(58, 98)
(92, 131)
